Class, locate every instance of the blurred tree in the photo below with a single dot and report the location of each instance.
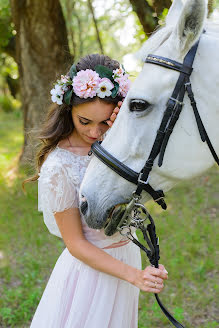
(8, 71)
(159, 6)
(210, 6)
(7, 33)
(145, 14)
(42, 54)
(111, 19)
(148, 13)
(90, 5)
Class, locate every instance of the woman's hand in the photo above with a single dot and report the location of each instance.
(114, 114)
(151, 279)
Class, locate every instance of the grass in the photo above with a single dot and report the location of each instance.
(187, 234)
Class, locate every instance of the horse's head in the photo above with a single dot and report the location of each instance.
(132, 135)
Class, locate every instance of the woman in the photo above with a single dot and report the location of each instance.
(96, 280)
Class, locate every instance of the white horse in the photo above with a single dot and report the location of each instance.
(132, 135)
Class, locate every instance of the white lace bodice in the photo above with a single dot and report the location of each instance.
(58, 185)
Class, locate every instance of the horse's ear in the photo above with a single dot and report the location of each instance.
(174, 12)
(190, 24)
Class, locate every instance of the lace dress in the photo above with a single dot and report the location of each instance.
(76, 295)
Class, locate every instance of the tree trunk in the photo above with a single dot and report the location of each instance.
(42, 54)
(145, 15)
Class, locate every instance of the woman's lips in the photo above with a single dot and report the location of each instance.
(91, 138)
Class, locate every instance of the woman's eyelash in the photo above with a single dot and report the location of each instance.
(85, 123)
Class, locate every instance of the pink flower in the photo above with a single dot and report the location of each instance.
(85, 83)
(118, 73)
(64, 78)
(124, 84)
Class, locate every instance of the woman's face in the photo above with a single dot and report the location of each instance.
(90, 120)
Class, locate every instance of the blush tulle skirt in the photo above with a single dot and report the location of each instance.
(78, 296)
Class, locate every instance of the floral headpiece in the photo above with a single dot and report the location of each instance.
(88, 83)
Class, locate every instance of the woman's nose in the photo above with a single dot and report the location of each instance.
(96, 132)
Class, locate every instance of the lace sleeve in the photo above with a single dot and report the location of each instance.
(57, 190)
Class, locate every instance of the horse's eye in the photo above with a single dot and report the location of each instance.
(139, 105)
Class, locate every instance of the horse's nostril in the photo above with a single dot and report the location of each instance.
(84, 207)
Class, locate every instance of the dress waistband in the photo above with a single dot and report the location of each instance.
(119, 244)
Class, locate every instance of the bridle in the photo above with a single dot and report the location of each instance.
(170, 117)
(135, 214)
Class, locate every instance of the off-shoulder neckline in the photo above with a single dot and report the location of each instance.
(74, 154)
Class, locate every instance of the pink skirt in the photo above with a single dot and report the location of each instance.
(78, 296)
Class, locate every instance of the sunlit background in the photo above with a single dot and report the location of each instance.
(28, 67)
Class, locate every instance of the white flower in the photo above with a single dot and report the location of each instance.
(57, 99)
(104, 88)
(57, 94)
(117, 73)
(64, 82)
(65, 79)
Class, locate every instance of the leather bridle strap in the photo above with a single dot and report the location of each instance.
(125, 172)
(153, 254)
(202, 131)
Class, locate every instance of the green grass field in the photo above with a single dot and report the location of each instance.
(187, 231)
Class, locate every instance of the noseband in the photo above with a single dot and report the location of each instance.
(135, 213)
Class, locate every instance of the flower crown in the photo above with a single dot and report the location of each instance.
(88, 83)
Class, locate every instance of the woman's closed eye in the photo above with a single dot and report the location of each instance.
(86, 122)
(83, 122)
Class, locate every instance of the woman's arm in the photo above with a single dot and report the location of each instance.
(69, 223)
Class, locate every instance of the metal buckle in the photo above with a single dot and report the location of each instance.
(156, 200)
(126, 231)
(177, 101)
(142, 181)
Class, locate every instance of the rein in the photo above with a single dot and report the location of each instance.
(135, 214)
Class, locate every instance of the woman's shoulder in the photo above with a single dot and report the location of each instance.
(60, 156)
(63, 162)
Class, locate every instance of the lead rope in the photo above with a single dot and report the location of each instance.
(150, 237)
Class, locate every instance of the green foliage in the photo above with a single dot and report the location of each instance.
(104, 71)
(111, 19)
(73, 71)
(115, 89)
(8, 104)
(67, 96)
(6, 26)
(216, 3)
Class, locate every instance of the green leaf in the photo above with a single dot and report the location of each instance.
(103, 71)
(73, 71)
(67, 96)
(115, 90)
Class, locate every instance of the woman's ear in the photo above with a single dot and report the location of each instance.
(190, 24)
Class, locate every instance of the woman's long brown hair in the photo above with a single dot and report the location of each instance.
(58, 122)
